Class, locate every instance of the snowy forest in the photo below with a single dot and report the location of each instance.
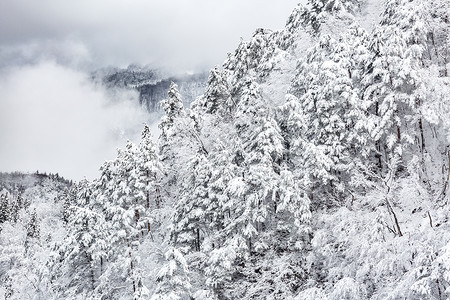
(316, 165)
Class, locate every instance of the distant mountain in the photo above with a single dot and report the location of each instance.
(152, 85)
(17, 182)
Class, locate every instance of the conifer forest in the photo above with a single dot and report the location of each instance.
(315, 165)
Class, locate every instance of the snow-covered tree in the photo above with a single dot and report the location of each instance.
(315, 166)
(173, 107)
(189, 216)
(217, 98)
(318, 9)
(147, 176)
(173, 280)
(331, 141)
(262, 147)
(5, 210)
(179, 140)
(123, 215)
(254, 58)
(33, 225)
(83, 252)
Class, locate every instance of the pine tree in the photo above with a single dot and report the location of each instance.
(254, 59)
(129, 192)
(4, 208)
(318, 9)
(123, 214)
(262, 149)
(15, 209)
(173, 280)
(173, 107)
(217, 98)
(20, 201)
(202, 211)
(296, 19)
(82, 253)
(218, 204)
(392, 80)
(146, 179)
(179, 140)
(33, 228)
(189, 217)
(68, 201)
(332, 141)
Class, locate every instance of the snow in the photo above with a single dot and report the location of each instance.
(315, 166)
(371, 14)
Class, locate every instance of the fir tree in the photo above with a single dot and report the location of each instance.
(147, 177)
(332, 144)
(173, 107)
(4, 208)
(15, 209)
(85, 249)
(392, 81)
(179, 140)
(173, 280)
(189, 217)
(33, 228)
(123, 215)
(217, 97)
(318, 9)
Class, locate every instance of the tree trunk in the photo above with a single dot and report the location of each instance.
(378, 144)
(312, 189)
(198, 239)
(446, 51)
(148, 192)
(131, 267)
(439, 289)
(422, 137)
(379, 156)
(91, 271)
(136, 215)
(391, 210)
(444, 190)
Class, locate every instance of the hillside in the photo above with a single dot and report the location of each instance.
(32, 217)
(315, 165)
(151, 85)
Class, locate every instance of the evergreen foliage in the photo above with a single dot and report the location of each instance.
(316, 171)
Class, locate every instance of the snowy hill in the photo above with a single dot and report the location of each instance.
(32, 214)
(315, 165)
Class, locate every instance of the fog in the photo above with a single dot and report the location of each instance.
(53, 119)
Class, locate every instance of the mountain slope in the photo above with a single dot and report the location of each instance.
(314, 166)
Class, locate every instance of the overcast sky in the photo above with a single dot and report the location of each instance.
(52, 118)
(183, 34)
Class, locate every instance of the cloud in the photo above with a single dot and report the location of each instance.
(67, 52)
(173, 33)
(54, 119)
